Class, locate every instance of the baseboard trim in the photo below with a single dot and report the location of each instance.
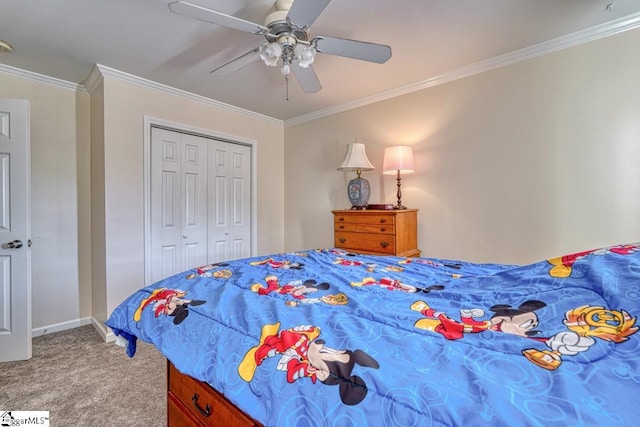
(58, 327)
(106, 333)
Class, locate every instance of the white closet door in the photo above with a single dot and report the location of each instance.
(178, 202)
(229, 201)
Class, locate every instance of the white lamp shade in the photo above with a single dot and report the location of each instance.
(398, 158)
(356, 159)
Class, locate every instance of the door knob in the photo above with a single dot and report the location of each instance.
(16, 244)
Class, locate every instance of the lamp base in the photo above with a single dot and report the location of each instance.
(399, 205)
(358, 191)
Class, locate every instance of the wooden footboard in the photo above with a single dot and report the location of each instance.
(193, 403)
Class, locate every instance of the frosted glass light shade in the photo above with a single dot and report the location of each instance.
(305, 54)
(398, 158)
(270, 53)
(356, 159)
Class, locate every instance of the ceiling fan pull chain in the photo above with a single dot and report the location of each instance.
(286, 79)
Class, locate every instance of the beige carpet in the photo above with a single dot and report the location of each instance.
(84, 381)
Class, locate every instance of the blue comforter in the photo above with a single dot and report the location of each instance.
(325, 337)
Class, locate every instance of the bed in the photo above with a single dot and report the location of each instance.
(327, 337)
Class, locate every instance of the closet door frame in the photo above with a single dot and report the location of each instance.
(150, 122)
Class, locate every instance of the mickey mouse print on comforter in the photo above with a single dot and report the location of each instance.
(326, 337)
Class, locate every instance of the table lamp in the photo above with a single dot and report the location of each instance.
(358, 189)
(398, 159)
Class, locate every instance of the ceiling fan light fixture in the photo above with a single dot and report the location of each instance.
(270, 53)
(305, 54)
(288, 38)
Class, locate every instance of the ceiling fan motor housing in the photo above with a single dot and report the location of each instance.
(284, 4)
(278, 26)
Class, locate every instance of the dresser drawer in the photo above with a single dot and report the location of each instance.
(377, 219)
(203, 403)
(365, 228)
(365, 242)
(177, 416)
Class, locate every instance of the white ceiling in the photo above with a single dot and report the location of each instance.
(429, 39)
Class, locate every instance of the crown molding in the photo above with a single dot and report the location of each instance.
(110, 72)
(93, 79)
(570, 40)
(41, 78)
(99, 71)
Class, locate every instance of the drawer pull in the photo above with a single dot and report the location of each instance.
(207, 409)
(383, 220)
(341, 219)
(382, 229)
(342, 240)
(341, 227)
(384, 243)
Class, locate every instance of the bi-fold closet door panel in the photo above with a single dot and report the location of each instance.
(178, 202)
(200, 201)
(229, 201)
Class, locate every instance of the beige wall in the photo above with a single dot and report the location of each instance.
(513, 165)
(61, 293)
(125, 106)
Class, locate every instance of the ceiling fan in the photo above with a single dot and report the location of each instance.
(288, 40)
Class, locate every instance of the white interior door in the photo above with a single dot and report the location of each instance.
(15, 265)
(178, 202)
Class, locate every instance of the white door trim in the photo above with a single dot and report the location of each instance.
(150, 122)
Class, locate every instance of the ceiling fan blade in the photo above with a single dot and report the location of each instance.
(203, 14)
(303, 13)
(364, 51)
(307, 78)
(237, 63)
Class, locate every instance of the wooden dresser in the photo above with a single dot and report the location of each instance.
(194, 403)
(381, 232)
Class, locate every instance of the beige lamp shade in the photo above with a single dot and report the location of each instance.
(397, 159)
(356, 159)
